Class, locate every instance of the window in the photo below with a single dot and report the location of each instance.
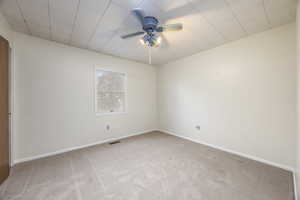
(110, 92)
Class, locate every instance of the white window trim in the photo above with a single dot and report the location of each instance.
(95, 92)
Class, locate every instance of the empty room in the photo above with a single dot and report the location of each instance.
(149, 100)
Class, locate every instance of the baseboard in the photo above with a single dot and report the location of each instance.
(288, 168)
(147, 131)
(170, 133)
(78, 147)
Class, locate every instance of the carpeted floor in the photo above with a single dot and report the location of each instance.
(153, 166)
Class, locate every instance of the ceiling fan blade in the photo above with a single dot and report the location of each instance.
(132, 35)
(140, 14)
(170, 27)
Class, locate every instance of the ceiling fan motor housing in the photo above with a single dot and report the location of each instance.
(150, 24)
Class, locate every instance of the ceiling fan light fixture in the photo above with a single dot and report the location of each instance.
(142, 41)
(158, 40)
(151, 40)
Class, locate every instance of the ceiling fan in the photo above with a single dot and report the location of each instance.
(150, 26)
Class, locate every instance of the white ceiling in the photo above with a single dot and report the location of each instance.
(98, 24)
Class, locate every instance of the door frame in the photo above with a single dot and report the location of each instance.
(11, 94)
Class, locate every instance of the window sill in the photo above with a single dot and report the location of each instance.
(111, 113)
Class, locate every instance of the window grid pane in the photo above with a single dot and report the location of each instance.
(110, 92)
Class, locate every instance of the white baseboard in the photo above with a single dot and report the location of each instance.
(77, 147)
(233, 152)
(170, 133)
(147, 131)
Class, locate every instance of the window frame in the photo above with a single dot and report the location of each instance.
(95, 92)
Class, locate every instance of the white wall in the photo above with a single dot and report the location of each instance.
(54, 97)
(242, 94)
(298, 103)
(242, 91)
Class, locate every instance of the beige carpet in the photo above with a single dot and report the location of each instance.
(153, 166)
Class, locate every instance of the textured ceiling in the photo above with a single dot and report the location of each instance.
(98, 24)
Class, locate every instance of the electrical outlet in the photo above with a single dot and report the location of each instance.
(107, 127)
(198, 127)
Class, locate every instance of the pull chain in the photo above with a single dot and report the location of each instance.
(149, 53)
